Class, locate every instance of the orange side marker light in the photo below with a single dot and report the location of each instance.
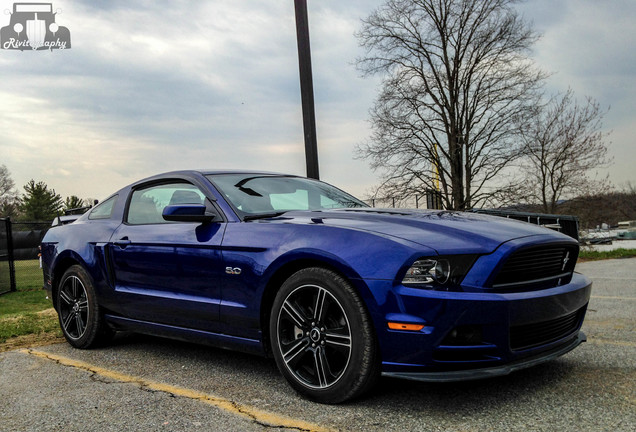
(404, 326)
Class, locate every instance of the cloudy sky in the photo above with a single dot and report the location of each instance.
(152, 86)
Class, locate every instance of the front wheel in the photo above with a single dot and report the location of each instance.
(322, 338)
(79, 314)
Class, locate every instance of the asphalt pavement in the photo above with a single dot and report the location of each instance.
(140, 383)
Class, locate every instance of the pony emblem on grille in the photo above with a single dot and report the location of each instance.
(565, 260)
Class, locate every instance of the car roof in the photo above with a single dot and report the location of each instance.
(214, 172)
(209, 172)
(204, 172)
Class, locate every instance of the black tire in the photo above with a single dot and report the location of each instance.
(322, 337)
(80, 316)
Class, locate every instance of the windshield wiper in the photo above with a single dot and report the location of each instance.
(263, 216)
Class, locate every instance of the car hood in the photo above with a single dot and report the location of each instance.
(446, 232)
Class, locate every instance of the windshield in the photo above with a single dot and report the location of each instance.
(253, 195)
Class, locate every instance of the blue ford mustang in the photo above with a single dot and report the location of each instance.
(336, 292)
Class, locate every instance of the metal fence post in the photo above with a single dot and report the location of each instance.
(9, 255)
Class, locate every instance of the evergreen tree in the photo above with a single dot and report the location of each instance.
(73, 202)
(39, 203)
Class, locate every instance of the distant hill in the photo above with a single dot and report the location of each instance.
(594, 211)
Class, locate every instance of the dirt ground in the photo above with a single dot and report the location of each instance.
(30, 341)
(33, 340)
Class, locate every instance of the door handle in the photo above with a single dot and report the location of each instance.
(122, 242)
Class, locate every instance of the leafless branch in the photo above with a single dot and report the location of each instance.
(456, 81)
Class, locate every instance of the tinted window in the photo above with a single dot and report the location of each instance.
(260, 194)
(103, 210)
(147, 204)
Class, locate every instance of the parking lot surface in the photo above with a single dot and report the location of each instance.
(141, 383)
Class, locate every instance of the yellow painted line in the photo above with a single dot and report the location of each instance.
(251, 413)
(613, 298)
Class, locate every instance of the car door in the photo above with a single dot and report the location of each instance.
(168, 272)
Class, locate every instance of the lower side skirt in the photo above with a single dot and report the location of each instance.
(252, 346)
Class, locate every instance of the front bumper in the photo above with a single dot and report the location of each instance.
(506, 331)
(475, 374)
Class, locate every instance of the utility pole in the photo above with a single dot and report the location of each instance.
(306, 89)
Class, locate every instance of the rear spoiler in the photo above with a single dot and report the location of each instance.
(64, 220)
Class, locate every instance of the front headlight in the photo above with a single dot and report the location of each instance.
(444, 272)
(426, 271)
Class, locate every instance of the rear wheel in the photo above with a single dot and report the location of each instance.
(322, 338)
(79, 314)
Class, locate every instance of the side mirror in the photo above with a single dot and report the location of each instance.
(187, 213)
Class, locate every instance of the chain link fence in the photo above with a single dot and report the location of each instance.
(27, 237)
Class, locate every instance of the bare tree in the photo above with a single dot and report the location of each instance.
(456, 81)
(608, 207)
(562, 146)
(7, 184)
(8, 194)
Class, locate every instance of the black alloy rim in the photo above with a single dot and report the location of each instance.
(314, 336)
(73, 307)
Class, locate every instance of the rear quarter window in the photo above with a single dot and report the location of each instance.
(103, 210)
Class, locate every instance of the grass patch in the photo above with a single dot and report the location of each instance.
(26, 312)
(586, 255)
(28, 275)
(21, 302)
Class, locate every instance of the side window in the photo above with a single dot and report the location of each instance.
(147, 204)
(103, 210)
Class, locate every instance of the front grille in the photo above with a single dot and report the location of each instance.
(542, 266)
(531, 335)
